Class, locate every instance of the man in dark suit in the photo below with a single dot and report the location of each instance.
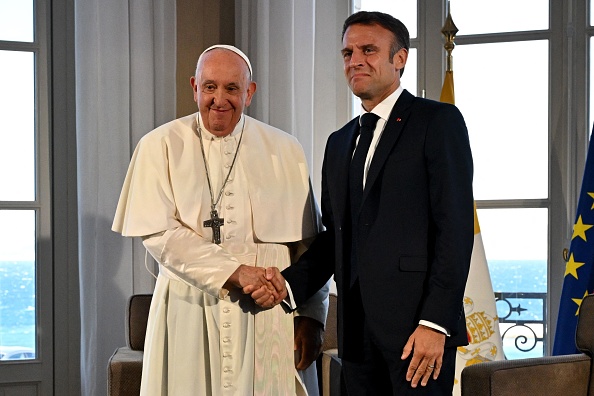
(399, 224)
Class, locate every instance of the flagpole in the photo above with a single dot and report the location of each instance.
(449, 30)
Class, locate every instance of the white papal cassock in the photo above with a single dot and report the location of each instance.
(201, 338)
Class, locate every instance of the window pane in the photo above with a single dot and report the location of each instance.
(17, 284)
(409, 78)
(17, 126)
(478, 17)
(516, 248)
(16, 20)
(508, 126)
(405, 10)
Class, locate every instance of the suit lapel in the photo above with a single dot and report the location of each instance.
(396, 121)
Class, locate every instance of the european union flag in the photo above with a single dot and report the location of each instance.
(579, 270)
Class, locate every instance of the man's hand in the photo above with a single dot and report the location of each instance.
(427, 346)
(253, 279)
(272, 292)
(274, 277)
(309, 335)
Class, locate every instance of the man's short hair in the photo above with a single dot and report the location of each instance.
(388, 22)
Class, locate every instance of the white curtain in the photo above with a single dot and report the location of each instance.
(294, 47)
(125, 81)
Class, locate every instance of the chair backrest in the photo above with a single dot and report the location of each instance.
(136, 318)
(331, 332)
(584, 337)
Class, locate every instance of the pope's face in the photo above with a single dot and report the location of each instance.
(222, 89)
(370, 72)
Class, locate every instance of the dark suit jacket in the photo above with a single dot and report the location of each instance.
(415, 234)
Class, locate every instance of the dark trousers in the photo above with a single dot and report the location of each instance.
(382, 373)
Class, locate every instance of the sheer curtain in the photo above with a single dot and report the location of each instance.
(294, 47)
(125, 79)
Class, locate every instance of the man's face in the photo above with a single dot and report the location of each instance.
(369, 71)
(222, 89)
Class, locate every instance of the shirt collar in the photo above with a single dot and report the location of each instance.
(384, 108)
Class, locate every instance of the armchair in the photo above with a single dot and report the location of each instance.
(570, 375)
(125, 365)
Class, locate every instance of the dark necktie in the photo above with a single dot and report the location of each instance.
(356, 171)
(368, 121)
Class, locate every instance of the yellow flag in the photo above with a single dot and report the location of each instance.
(482, 322)
(447, 90)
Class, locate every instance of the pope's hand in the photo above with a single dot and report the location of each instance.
(309, 336)
(274, 292)
(253, 279)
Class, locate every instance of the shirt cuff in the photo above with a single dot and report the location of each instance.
(434, 327)
(289, 300)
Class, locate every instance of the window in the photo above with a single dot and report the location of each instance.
(26, 256)
(18, 163)
(510, 141)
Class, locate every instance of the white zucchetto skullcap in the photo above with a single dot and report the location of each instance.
(231, 48)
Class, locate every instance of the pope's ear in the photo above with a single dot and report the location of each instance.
(194, 87)
(250, 93)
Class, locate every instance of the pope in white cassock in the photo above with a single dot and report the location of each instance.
(217, 196)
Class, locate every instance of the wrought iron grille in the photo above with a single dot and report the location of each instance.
(522, 322)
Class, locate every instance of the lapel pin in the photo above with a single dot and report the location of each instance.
(398, 119)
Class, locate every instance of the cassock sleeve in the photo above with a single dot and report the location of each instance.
(194, 261)
(317, 305)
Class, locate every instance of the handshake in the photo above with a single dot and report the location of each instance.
(265, 285)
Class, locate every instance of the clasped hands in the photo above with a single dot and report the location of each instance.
(265, 285)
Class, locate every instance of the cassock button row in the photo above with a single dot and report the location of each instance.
(226, 325)
(230, 221)
(230, 207)
(229, 193)
(226, 340)
(227, 385)
(226, 310)
(229, 236)
(227, 370)
(227, 355)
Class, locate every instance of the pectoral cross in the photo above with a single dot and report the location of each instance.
(215, 223)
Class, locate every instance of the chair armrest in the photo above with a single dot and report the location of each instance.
(551, 375)
(124, 372)
(331, 369)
